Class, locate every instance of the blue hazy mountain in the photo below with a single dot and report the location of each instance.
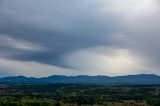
(129, 79)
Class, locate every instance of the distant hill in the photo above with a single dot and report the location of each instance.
(129, 79)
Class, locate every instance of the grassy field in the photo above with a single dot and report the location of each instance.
(78, 95)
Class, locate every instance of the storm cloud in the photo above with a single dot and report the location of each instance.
(93, 37)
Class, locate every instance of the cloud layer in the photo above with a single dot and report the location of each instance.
(94, 37)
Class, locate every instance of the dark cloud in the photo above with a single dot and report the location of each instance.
(88, 30)
(46, 31)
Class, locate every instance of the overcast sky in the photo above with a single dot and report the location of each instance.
(79, 37)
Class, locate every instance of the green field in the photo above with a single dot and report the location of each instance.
(78, 95)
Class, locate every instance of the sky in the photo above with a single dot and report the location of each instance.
(79, 37)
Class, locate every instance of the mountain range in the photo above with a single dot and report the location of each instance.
(84, 79)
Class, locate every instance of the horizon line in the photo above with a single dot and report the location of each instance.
(77, 75)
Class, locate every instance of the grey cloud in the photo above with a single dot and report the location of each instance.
(83, 28)
(64, 27)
